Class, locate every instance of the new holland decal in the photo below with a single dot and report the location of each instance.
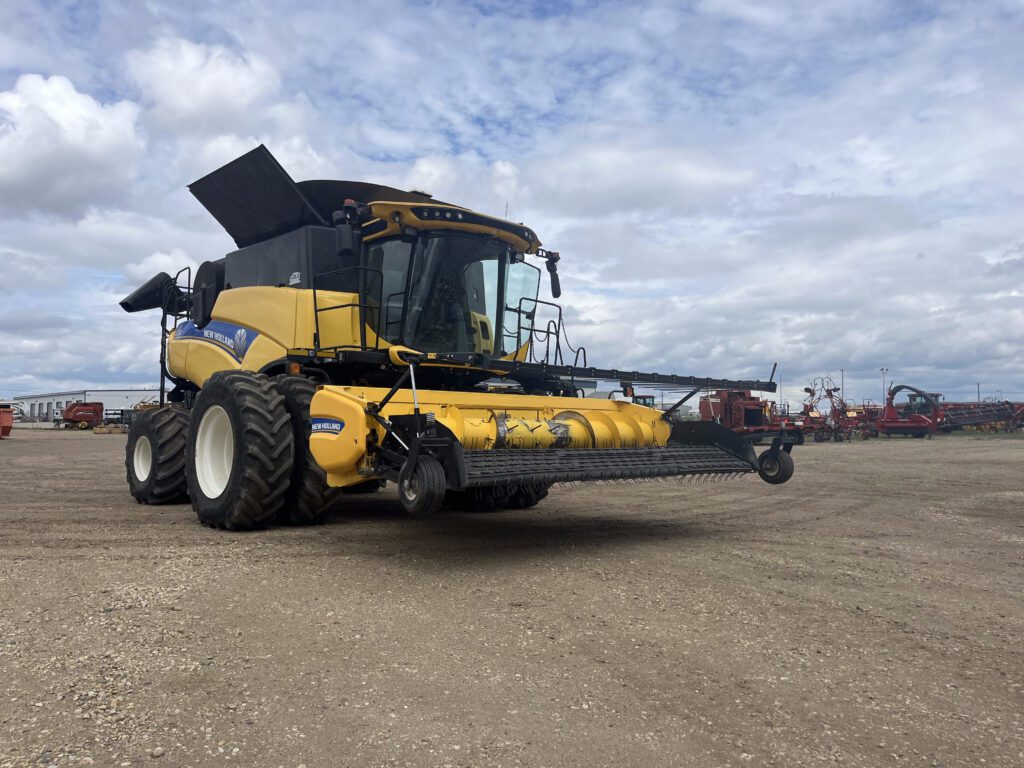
(326, 426)
(233, 339)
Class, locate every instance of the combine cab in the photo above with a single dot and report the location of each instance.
(362, 334)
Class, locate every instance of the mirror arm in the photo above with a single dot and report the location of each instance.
(552, 258)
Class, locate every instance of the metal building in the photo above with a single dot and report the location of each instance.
(47, 407)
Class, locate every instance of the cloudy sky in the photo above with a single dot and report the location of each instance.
(829, 185)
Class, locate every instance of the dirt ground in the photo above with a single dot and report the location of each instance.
(868, 613)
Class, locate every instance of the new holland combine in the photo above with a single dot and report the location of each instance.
(362, 334)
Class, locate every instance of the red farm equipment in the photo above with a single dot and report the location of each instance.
(842, 419)
(925, 413)
(748, 415)
(6, 418)
(920, 416)
(81, 416)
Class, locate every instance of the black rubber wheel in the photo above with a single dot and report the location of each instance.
(309, 495)
(918, 435)
(486, 499)
(775, 467)
(821, 436)
(239, 451)
(423, 492)
(154, 456)
(798, 438)
(526, 495)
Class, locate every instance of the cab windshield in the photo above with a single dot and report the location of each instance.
(444, 291)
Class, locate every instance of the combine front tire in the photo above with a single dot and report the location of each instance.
(239, 452)
(775, 467)
(421, 492)
(155, 456)
(308, 495)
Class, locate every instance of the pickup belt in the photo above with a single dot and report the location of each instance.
(566, 465)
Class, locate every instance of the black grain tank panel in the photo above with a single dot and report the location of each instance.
(206, 287)
(291, 260)
(254, 198)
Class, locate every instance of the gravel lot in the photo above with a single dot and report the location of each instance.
(868, 613)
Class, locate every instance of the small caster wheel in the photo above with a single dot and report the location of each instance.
(775, 467)
(422, 491)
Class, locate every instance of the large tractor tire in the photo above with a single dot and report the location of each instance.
(308, 495)
(155, 456)
(239, 451)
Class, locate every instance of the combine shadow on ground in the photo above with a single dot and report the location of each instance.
(379, 527)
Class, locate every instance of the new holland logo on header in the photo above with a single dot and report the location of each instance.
(326, 426)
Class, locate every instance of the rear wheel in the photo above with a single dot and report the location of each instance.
(239, 451)
(155, 456)
(308, 495)
(421, 492)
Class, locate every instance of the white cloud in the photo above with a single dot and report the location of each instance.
(200, 88)
(61, 150)
(170, 262)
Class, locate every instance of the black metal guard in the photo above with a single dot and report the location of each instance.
(362, 305)
(551, 336)
(178, 316)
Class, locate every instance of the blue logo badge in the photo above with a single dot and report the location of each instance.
(327, 426)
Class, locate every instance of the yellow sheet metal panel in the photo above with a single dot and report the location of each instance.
(339, 430)
(398, 215)
(177, 357)
(262, 352)
(480, 421)
(202, 360)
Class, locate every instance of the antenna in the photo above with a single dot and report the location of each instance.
(506, 210)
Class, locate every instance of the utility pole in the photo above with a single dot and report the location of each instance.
(978, 385)
(842, 383)
(884, 371)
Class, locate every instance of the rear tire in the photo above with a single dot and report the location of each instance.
(309, 495)
(155, 456)
(239, 452)
(423, 492)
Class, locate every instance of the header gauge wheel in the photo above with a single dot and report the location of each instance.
(775, 466)
(421, 491)
(239, 451)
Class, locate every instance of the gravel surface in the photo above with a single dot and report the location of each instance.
(868, 613)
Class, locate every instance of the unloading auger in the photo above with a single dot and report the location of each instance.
(363, 334)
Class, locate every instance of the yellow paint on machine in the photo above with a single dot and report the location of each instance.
(480, 421)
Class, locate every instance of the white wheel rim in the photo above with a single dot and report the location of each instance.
(215, 452)
(142, 459)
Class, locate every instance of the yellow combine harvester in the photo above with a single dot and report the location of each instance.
(362, 334)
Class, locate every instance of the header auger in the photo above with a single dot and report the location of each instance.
(362, 334)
